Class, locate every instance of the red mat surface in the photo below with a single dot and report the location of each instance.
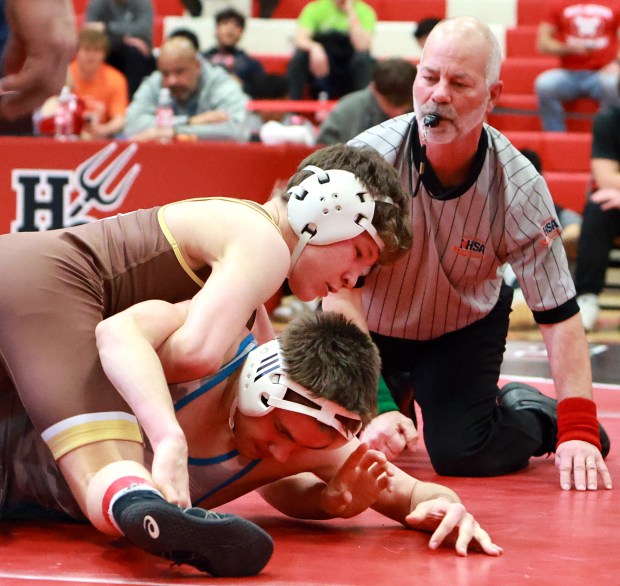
(550, 537)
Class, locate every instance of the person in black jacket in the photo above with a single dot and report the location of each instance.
(229, 27)
(129, 27)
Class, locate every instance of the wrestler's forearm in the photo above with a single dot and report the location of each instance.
(567, 348)
(407, 494)
(297, 496)
(126, 344)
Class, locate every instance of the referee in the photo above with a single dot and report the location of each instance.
(440, 316)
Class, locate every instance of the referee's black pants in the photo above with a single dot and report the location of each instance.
(454, 380)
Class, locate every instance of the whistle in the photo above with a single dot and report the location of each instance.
(431, 120)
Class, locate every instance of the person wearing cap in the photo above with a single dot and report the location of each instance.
(273, 411)
(228, 256)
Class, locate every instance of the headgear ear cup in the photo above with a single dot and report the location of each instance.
(330, 206)
(259, 380)
(263, 384)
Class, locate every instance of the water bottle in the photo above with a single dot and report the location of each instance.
(322, 111)
(165, 114)
(65, 116)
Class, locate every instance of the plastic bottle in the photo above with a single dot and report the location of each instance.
(165, 114)
(322, 111)
(65, 116)
(302, 128)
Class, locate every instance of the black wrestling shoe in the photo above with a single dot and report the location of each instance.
(220, 544)
(519, 396)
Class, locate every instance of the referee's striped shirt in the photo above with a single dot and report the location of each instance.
(450, 278)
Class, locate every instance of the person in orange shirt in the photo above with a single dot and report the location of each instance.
(102, 88)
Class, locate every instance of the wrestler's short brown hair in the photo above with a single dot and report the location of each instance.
(333, 359)
(381, 179)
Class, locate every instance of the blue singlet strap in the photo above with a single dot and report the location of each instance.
(247, 345)
(232, 479)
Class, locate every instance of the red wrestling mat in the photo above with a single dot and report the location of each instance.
(550, 537)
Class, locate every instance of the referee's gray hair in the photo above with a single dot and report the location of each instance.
(494, 58)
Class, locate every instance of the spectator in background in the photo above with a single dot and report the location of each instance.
(22, 125)
(188, 34)
(229, 27)
(601, 215)
(521, 315)
(207, 102)
(40, 42)
(584, 37)
(100, 90)
(332, 48)
(425, 26)
(129, 26)
(569, 219)
(4, 34)
(194, 7)
(101, 86)
(388, 95)
(266, 8)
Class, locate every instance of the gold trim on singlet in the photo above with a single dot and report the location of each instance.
(83, 430)
(173, 243)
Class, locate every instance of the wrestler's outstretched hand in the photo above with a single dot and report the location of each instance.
(450, 523)
(358, 483)
(170, 472)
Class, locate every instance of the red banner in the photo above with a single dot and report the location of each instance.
(46, 184)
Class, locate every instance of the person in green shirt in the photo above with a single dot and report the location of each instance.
(332, 49)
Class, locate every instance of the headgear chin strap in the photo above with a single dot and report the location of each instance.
(331, 206)
(263, 384)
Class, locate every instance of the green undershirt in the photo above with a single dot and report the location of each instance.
(385, 401)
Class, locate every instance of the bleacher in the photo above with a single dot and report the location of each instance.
(566, 162)
(565, 156)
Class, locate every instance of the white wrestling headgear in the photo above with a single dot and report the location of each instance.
(331, 206)
(263, 384)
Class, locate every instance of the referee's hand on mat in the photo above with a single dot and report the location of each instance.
(390, 433)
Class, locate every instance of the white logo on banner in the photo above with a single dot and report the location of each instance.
(49, 199)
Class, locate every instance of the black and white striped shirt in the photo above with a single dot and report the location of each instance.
(450, 278)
